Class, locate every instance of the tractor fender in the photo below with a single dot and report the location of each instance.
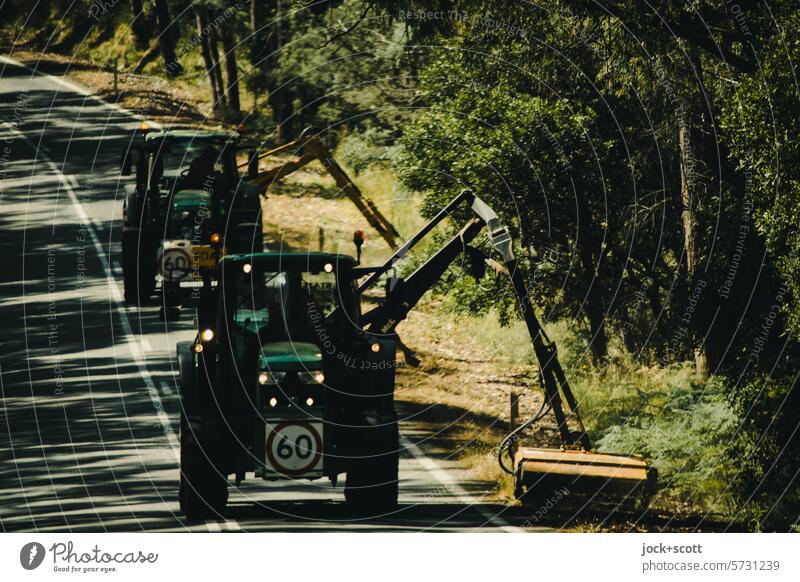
(129, 207)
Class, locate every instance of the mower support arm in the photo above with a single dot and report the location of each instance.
(403, 296)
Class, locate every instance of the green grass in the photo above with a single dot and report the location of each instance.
(681, 424)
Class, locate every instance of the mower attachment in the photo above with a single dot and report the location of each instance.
(540, 472)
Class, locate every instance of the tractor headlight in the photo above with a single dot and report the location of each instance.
(270, 378)
(207, 335)
(311, 377)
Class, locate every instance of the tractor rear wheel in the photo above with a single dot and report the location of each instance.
(203, 490)
(372, 483)
(138, 271)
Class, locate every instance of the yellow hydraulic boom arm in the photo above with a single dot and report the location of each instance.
(309, 148)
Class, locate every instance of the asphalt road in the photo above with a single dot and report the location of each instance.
(88, 434)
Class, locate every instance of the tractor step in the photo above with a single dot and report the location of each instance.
(604, 477)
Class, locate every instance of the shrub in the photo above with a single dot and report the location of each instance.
(682, 425)
(767, 450)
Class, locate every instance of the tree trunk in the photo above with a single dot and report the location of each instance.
(209, 63)
(689, 225)
(140, 25)
(254, 18)
(212, 45)
(281, 104)
(147, 57)
(231, 72)
(596, 315)
(594, 307)
(167, 40)
(280, 100)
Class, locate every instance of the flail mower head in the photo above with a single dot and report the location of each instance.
(595, 480)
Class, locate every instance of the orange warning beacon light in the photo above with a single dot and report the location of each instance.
(358, 240)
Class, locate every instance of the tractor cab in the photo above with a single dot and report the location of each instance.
(187, 207)
(187, 159)
(280, 307)
(191, 245)
(178, 159)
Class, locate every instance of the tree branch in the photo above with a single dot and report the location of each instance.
(347, 31)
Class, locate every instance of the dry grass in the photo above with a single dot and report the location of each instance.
(308, 211)
(173, 102)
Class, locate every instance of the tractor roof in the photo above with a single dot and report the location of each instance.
(292, 259)
(193, 134)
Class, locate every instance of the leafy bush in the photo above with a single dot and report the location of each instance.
(683, 426)
(767, 450)
(362, 150)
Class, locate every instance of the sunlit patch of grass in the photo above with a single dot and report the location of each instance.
(485, 467)
(681, 423)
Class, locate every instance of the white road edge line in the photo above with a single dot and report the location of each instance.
(127, 329)
(135, 350)
(452, 485)
(134, 347)
(222, 526)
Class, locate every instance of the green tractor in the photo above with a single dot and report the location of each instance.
(279, 382)
(291, 377)
(187, 208)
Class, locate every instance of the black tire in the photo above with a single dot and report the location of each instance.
(203, 490)
(138, 272)
(170, 313)
(372, 483)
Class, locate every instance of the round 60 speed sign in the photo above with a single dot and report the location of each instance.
(173, 263)
(294, 446)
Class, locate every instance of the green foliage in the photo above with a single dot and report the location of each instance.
(684, 430)
(340, 65)
(762, 122)
(368, 148)
(767, 452)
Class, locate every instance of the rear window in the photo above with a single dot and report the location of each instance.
(283, 303)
